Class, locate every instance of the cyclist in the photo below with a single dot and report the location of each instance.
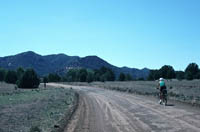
(162, 87)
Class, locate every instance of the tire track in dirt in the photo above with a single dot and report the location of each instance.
(171, 115)
(110, 111)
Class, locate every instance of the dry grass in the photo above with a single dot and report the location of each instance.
(186, 91)
(43, 108)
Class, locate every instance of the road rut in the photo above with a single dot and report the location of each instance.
(103, 110)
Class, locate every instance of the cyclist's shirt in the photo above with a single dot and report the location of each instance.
(162, 83)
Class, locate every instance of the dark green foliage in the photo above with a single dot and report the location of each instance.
(11, 77)
(197, 76)
(2, 74)
(20, 72)
(96, 75)
(166, 72)
(154, 75)
(108, 73)
(104, 74)
(180, 75)
(103, 78)
(192, 71)
(122, 77)
(86, 75)
(45, 80)
(35, 129)
(29, 79)
(193, 68)
(53, 77)
(74, 75)
(71, 76)
(141, 79)
(83, 75)
(128, 77)
(90, 76)
(189, 75)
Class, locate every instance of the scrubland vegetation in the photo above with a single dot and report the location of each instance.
(184, 91)
(191, 72)
(43, 109)
(33, 107)
(22, 78)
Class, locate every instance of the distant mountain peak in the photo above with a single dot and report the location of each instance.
(28, 53)
(92, 57)
(58, 63)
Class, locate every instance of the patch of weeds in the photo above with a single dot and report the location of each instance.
(35, 129)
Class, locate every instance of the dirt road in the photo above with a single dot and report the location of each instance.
(110, 111)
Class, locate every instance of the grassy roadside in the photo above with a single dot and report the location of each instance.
(184, 91)
(45, 108)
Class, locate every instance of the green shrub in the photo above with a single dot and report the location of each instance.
(20, 72)
(192, 71)
(11, 77)
(122, 77)
(35, 129)
(180, 75)
(90, 77)
(2, 74)
(29, 80)
(54, 77)
(83, 75)
(128, 77)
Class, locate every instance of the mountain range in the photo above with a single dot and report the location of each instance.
(60, 63)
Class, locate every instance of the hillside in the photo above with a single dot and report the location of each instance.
(60, 63)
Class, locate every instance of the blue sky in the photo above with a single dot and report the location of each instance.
(133, 33)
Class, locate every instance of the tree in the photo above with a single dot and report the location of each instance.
(110, 75)
(29, 80)
(167, 72)
(53, 77)
(103, 78)
(20, 72)
(2, 74)
(151, 76)
(97, 75)
(192, 71)
(180, 75)
(83, 75)
(11, 77)
(104, 74)
(140, 79)
(90, 76)
(189, 75)
(122, 77)
(197, 76)
(72, 75)
(154, 75)
(128, 77)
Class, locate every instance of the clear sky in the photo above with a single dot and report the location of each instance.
(133, 33)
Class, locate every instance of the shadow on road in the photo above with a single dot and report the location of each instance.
(170, 105)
